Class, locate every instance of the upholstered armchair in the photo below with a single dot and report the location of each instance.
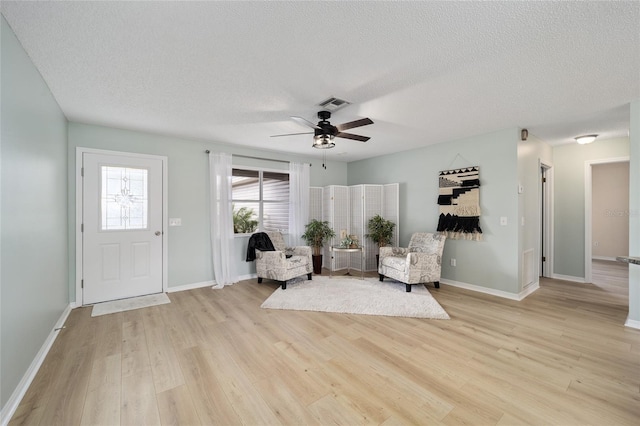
(421, 262)
(275, 265)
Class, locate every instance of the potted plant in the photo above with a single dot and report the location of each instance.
(316, 233)
(380, 231)
(350, 241)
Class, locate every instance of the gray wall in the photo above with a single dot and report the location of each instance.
(34, 279)
(189, 245)
(569, 163)
(492, 263)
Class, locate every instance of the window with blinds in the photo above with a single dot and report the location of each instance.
(260, 201)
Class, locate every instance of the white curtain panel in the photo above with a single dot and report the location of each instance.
(221, 218)
(299, 184)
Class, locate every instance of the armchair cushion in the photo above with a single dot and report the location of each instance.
(421, 262)
(276, 265)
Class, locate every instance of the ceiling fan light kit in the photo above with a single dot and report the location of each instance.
(323, 141)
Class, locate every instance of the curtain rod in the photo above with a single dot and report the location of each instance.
(257, 158)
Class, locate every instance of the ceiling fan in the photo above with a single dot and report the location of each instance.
(324, 132)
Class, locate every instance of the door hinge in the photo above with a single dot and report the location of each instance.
(544, 180)
(544, 259)
(81, 283)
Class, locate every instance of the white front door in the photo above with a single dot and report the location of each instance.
(122, 227)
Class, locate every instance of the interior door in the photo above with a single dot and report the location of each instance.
(121, 227)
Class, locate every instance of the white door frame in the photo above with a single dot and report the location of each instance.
(165, 213)
(588, 199)
(547, 232)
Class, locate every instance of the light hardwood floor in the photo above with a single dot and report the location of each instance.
(560, 357)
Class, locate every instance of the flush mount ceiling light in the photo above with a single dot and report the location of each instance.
(323, 141)
(585, 139)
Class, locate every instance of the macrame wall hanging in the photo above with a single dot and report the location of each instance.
(459, 201)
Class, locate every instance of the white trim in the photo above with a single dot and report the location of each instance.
(211, 283)
(524, 272)
(248, 277)
(499, 293)
(528, 290)
(193, 286)
(613, 259)
(14, 400)
(165, 213)
(548, 219)
(588, 198)
(632, 323)
(568, 278)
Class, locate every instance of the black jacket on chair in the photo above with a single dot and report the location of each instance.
(260, 241)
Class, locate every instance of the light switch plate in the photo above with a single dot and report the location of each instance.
(503, 221)
(175, 221)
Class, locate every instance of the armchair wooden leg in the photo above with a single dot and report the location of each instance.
(408, 288)
(259, 280)
(284, 285)
(437, 284)
(381, 277)
(309, 276)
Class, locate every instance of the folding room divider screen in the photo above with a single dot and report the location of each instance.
(350, 208)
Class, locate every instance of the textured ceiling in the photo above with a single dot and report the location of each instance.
(424, 72)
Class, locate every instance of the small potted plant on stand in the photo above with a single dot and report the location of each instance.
(350, 241)
(316, 234)
(380, 232)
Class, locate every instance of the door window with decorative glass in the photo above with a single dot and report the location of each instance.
(124, 198)
(260, 201)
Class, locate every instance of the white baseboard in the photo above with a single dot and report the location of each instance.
(632, 323)
(499, 293)
(247, 277)
(612, 259)
(190, 286)
(528, 290)
(12, 404)
(205, 284)
(568, 278)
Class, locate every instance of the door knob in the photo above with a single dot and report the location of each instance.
(158, 233)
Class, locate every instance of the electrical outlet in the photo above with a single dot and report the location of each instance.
(503, 221)
(453, 262)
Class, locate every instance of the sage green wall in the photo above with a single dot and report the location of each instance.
(34, 281)
(531, 153)
(189, 245)
(568, 201)
(634, 212)
(492, 263)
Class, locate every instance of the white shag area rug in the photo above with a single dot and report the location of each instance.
(129, 304)
(356, 296)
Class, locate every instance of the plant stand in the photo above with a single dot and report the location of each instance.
(333, 249)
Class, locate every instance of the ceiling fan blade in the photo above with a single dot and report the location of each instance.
(292, 134)
(352, 124)
(305, 122)
(352, 136)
